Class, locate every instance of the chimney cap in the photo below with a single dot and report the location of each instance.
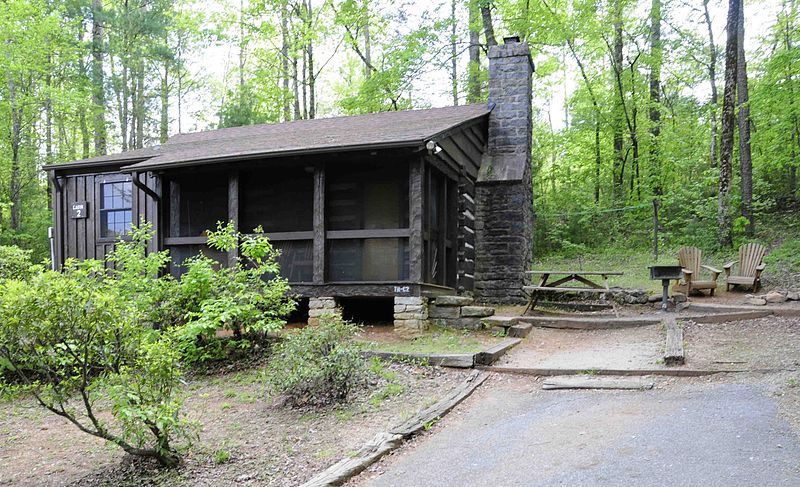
(511, 40)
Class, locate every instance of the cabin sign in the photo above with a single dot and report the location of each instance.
(78, 210)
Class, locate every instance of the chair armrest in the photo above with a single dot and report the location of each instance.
(713, 270)
(728, 267)
(687, 275)
(760, 268)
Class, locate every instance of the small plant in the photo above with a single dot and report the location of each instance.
(222, 456)
(317, 365)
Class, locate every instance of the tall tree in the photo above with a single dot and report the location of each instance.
(474, 66)
(724, 214)
(656, 56)
(743, 99)
(98, 81)
(711, 66)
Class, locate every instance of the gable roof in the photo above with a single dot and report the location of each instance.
(408, 128)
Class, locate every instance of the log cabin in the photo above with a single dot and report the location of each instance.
(376, 212)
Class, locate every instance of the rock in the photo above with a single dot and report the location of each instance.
(775, 297)
(793, 296)
(444, 312)
(679, 298)
(655, 298)
(755, 301)
(453, 301)
(477, 311)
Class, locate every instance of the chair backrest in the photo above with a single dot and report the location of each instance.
(689, 258)
(750, 257)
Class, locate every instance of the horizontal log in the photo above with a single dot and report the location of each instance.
(673, 350)
(584, 382)
(492, 354)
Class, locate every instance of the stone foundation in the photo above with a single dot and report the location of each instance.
(410, 316)
(318, 307)
(458, 312)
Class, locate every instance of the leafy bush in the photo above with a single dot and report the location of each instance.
(15, 263)
(73, 338)
(318, 365)
(248, 298)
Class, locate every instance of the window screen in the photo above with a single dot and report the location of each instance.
(116, 215)
(371, 259)
(367, 197)
(278, 199)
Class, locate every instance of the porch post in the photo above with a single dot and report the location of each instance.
(415, 219)
(319, 224)
(233, 211)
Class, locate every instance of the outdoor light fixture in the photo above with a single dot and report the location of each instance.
(433, 147)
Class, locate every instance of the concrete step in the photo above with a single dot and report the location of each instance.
(453, 301)
(476, 311)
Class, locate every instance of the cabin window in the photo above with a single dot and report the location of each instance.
(116, 213)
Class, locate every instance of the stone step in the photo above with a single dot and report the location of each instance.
(520, 330)
(500, 321)
(453, 301)
(476, 311)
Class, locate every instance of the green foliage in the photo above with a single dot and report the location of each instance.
(317, 366)
(785, 257)
(247, 298)
(72, 339)
(15, 263)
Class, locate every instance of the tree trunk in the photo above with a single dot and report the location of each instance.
(474, 67)
(656, 55)
(453, 53)
(728, 120)
(164, 122)
(712, 77)
(123, 117)
(140, 106)
(16, 136)
(98, 88)
(84, 132)
(598, 162)
(618, 141)
(743, 99)
(285, 64)
(488, 27)
(48, 118)
(367, 42)
(296, 88)
(312, 85)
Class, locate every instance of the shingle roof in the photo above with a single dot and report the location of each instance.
(385, 129)
(405, 128)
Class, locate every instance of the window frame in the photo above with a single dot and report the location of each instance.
(100, 182)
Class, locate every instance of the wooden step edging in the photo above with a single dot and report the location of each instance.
(589, 382)
(454, 360)
(545, 372)
(673, 348)
(589, 323)
(385, 442)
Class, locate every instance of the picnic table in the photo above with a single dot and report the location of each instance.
(587, 278)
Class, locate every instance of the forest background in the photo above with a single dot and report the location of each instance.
(688, 106)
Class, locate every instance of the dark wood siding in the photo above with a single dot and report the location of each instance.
(80, 238)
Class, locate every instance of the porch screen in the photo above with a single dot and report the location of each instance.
(281, 201)
(202, 200)
(367, 221)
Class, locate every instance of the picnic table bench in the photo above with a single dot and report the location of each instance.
(583, 277)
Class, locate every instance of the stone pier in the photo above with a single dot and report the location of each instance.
(318, 307)
(410, 316)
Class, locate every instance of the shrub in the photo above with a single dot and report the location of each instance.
(248, 298)
(318, 365)
(73, 338)
(15, 263)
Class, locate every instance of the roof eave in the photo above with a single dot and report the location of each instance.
(143, 166)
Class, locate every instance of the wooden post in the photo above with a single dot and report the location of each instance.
(174, 209)
(233, 212)
(319, 225)
(415, 197)
(656, 204)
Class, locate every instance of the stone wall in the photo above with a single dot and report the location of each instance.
(410, 316)
(318, 307)
(504, 196)
(458, 312)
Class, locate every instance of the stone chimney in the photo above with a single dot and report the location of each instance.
(504, 196)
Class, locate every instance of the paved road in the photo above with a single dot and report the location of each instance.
(709, 434)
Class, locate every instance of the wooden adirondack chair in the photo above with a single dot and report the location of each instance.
(750, 267)
(689, 259)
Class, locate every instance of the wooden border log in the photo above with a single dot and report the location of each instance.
(383, 443)
(455, 360)
(490, 355)
(673, 349)
(587, 382)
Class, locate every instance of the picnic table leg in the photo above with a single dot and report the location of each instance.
(534, 297)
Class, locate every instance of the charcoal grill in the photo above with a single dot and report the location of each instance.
(665, 273)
